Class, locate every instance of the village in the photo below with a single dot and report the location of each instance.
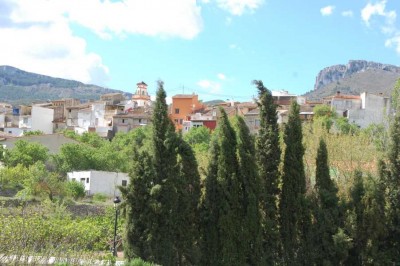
(112, 113)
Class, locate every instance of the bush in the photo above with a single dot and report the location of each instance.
(75, 189)
(138, 262)
(100, 197)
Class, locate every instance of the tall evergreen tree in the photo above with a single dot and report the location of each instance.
(327, 216)
(187, 216)
(162, 199)
(390, 174)
(250, 185)
(293, 188)
(268, 154)
(221, 228)
(138, 214)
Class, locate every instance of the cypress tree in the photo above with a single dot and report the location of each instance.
(293, 189)
(138, 213)
(390, 174)
(327, 210)
(162, 199)
(187, 216)
(221, 208)
(163, 193)
(250, 184)
(268, 158)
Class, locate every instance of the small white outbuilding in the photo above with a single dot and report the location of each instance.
(100, 181)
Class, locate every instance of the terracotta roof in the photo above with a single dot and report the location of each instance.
(141, 83)
(340, 96)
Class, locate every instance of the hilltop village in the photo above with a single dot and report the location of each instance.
(113, 113)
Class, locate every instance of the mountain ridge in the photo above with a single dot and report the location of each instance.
(22, 87)
(355, 77)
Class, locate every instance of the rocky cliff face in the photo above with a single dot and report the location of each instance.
(336, 73)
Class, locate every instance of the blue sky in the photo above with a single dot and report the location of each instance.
(214, 48)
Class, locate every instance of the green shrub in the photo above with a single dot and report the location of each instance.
(100, 197)
(75, 189)
(138, 262)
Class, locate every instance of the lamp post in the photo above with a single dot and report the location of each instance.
(116, 201)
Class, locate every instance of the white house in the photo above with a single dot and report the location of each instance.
(100, 182)
(42, 118)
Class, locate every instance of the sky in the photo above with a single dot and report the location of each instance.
(214, 48)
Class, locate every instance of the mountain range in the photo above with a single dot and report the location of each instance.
(355, 77)
(21, 87)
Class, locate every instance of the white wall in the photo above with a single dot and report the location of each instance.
(14, 131)
(42, 119)
(2, 120)
(100, 182)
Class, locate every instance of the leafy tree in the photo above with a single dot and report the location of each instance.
(42, 183)
(249, 183)
(26, 153)
(293, 189)
(268, 155)
(13, 177)
(221, 230)
(326, 224)
(323, 110)
(75, 157)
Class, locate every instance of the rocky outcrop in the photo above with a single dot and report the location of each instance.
(336, 73)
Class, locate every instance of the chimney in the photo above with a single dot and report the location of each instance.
(338, 93)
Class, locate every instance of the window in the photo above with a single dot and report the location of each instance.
(123, 121)
(25, 120)
(87, 180)
(83, 180)
(140, 120)
(181, 121)
(176, 110)
(124, 183)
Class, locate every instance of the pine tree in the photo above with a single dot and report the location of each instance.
(221, 228)
(250, 184)
(268, 159)
(293, 189)
(327, 210)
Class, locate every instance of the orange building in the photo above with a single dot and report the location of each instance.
(182, 106)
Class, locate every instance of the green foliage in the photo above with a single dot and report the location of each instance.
(249, 200)
(323, 110)
(221, 229)
(14, 177)
(100, 197)
(162, 197)
(26, 153)
(75, 189)
(268, 155)
(326, 214)
(378, 135)
(41, 183)
(198, 138)
(343, 243)
(138, 262)
(293, 189)
(33, 133)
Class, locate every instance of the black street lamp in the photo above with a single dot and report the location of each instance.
(116, 201)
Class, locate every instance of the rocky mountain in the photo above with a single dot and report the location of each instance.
(21, 87)
(355, 77)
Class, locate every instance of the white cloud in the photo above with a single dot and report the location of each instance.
(212, 86)
(51, 50)
(347, 13)
(394, 42)
(221, 76)
(173, 18)
(238, 7)
(387, 26)
(233, 46)
(327, 11)
(378, 9)
(37, 35)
